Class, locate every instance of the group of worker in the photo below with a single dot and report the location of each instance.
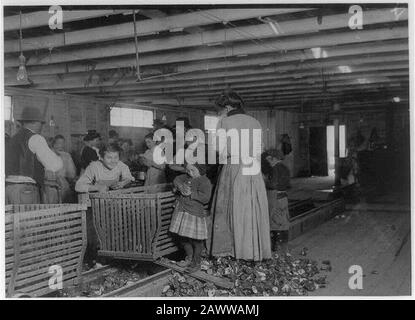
(41, 171)
(243, 208)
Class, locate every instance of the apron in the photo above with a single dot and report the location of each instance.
(279, 217)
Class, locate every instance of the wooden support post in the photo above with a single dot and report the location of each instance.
(389, 119)
(336, 122)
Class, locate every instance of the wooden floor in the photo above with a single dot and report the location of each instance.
(373, 236)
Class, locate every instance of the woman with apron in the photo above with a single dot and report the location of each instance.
(240, 218)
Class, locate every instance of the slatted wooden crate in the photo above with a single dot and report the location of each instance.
(39, 236)
(133, 223)
(85, 198)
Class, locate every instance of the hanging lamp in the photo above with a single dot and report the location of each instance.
(22, 72)
(137, 61)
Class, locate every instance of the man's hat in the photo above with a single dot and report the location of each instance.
(91, 135)
(31, 114)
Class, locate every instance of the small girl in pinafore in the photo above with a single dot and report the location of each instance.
(189, 217)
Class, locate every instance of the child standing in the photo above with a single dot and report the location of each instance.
(189, 217)
(277, 183)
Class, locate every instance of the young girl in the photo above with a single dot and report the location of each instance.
(155, 172)
(189, 217)
(277, 183)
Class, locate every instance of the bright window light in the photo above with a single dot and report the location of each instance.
(127, 117)
(8, 115)
(363, 81)
(345, 69)
(330, 145)
(319, 53)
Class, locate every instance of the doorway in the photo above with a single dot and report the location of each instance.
(318, 151)
(330, 146)
(321, 145)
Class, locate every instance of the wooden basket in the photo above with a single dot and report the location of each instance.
(39, 236)
(133, 223)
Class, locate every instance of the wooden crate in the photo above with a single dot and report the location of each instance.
(133, 223)
(39, 236)
(85, 198)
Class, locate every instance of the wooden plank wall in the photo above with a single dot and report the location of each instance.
(363, 122)
(67, 115)
(137, 134)
(73, 115)
(275, 123)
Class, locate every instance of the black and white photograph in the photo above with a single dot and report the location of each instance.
(218, 150)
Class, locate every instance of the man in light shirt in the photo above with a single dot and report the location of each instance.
(32, 161)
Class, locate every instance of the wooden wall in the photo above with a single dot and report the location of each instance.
(354, 122)
(68, 115)
(275, 123)
(137, 134)
(71, 116)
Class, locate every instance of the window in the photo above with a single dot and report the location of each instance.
(127, 117)
(8, 114)
(211, 123)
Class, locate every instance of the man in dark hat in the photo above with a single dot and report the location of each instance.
(113, 137)
(31, 161)
(90, 152)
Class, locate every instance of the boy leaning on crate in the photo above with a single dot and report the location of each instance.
(189, 216)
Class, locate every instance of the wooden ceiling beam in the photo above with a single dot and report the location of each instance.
(152, 13)
(337, 86)
(208, 59)
(192, 41)
(274, 80)
(329, 95)
(96, 82)
(276, 103)
(281, 89)
(201, 85)
(41, 19)
(145, 27)
(279, 98)
(339, 89)
(297, 68)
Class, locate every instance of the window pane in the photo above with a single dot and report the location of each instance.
(138, 118)
(7, 108)
(115, 117)
(147, 118)
(127, 117)
(342, 143)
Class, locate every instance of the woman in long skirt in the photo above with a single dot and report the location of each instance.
(240, 218)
